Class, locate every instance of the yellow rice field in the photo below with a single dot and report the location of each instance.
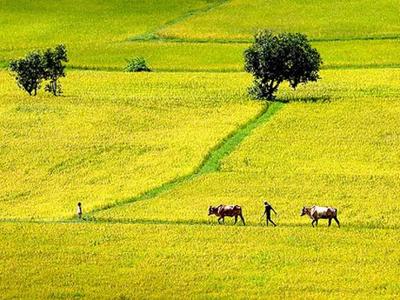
(147, 154)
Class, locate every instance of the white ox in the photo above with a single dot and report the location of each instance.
(318, 212)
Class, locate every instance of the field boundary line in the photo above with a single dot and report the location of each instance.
(210, 222)
(224, 70)
(239, 70)
(210, 163)
(4, 66)
(154, 35)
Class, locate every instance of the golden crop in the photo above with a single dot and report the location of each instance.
(128, 261)
(112, 136)
(103, 35)
(147, 154)
(340, 151)
(238, 19)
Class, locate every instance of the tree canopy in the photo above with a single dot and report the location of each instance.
(28, 72)
(273, 59)
(53, 68)
(37, 66)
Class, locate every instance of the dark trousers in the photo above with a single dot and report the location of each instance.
(268, 219)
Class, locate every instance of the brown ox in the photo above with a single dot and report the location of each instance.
(223, 211)
(317, 212)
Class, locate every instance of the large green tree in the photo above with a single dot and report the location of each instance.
(273, 59)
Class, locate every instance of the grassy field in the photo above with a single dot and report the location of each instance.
(342, 152)
(174, 35)
(148, 153)
(219, 57)
(113, 136)
(92, 22)
(91, 27)
(238, 19)
(127, 261)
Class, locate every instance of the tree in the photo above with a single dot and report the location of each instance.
(28, 71)
(37, 66)
(273, 59)
(53, 68)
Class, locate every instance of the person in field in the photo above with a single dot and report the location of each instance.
(79, 210)
(267, 213)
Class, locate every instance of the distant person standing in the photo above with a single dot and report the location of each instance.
(79, 210)
(267, 213)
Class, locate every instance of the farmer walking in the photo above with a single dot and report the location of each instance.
(267, 213)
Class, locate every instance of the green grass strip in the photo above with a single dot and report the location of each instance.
(211, 163)
(153, 35)
(213, 160)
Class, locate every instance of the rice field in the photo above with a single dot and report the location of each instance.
(324, 20)
(134, 261)
(113, 136)
(341, 151)
(147, 154)
(92, 22)
(125, 29)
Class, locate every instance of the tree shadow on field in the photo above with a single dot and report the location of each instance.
(304, 99)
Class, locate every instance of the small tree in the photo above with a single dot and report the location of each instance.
(137, 64)
(28, 72)
(273, 59)
(37, 66)
(53, 68)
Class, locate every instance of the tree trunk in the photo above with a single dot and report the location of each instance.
(54, 87)
(272, 89)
